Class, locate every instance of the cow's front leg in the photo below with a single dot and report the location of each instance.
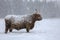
(27, 27)
(11, 28)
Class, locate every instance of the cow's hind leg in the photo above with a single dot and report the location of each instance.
(10, 30)
(6, 29)
(7, 25)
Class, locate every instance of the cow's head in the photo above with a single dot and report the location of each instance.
(37, 16)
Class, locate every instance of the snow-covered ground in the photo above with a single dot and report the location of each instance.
(47, 29)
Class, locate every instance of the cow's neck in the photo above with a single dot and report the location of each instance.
(33, 19)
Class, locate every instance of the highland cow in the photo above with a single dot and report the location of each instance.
(21, 22)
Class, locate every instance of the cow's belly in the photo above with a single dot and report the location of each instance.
(18, 26)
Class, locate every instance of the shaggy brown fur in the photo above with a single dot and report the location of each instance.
(10, 26)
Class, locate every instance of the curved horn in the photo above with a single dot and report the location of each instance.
(36, 11)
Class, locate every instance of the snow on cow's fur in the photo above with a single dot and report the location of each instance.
(21, 21)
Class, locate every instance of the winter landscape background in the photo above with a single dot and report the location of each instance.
(46, 29)
(47, 8)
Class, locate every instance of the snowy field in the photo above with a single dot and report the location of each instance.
(47, 29)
